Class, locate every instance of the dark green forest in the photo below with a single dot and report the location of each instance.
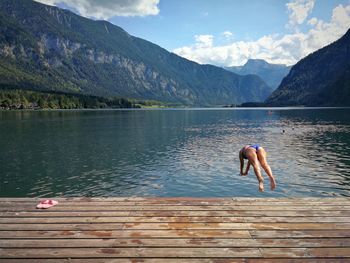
(25, 99)
(16, 99)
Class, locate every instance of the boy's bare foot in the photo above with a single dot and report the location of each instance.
(272, 183)
(261, 186)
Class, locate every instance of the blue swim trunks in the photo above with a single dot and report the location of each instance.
(255, 146)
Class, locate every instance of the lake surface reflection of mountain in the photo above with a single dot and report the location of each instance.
(181, 152)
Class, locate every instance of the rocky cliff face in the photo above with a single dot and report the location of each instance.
(320, 79)
(46, 48)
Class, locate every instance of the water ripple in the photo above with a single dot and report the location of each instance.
(172, 153)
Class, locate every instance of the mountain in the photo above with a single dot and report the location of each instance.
(320, 79)
(48, 48)
(272, 74)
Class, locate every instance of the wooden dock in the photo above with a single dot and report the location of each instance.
(176, 230)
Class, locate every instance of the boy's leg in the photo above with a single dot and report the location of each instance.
(262, 159)
(268, 171)
(257, 172)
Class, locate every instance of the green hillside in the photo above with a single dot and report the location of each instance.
(49, 49)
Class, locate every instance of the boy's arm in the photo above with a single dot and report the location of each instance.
(247, 168)
(241, 162)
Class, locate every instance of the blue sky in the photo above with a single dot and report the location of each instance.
(225, 32)
(178, 21)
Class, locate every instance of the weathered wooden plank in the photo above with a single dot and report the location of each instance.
(248, 226)
(175, 252)
(305, 252)
(171, 233)
(177, 225)
(85, 199)
(120, 200)
(151, 202)
(241, 213)
(299, 234)
(163, 213)
(174, 242)
(77, 220)
(179, 260)
(84, 226)
(178, 199)
(132, 203)
(172, 219)
(295, 219)
(183, 233)
(129, 252)
(179, 208)
(306, 199)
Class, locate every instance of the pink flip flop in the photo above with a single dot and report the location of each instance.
(44, 204)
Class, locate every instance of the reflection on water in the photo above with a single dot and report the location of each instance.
(172, 152)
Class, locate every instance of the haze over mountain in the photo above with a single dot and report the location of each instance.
(272, 74)
(320, 79)
(47, 48)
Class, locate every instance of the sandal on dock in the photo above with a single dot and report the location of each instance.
(44, 204)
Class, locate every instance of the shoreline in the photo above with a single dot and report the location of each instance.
(181, 108)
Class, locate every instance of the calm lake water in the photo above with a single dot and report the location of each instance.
(182, 152)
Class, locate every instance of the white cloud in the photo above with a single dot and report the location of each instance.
(204, 41)
(105, 9)
(312, 21)
(299, 11)
(287, 49)
(227, 34)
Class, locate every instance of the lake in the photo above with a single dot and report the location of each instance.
(173, 152)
